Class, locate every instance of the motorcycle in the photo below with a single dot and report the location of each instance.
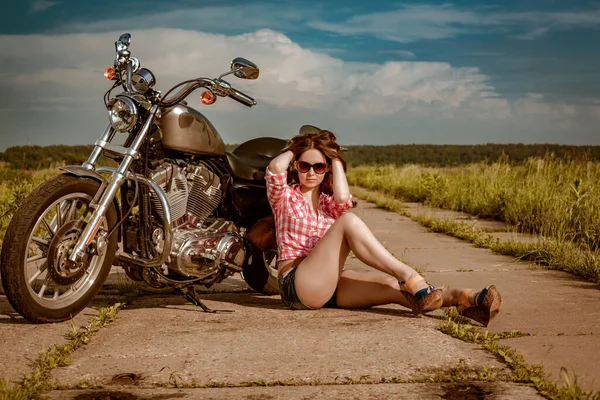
(175, 212)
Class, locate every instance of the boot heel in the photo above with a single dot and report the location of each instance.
(486, 309)
(425, 300)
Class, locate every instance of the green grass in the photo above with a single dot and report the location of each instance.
(15, 185)
(31, 386)
(553, 197)
(559, 254)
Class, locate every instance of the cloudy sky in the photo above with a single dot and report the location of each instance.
(375, 72)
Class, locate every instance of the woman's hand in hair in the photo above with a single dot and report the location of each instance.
(281, 163)
(336, 152)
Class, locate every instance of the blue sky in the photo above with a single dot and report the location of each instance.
(376, 72)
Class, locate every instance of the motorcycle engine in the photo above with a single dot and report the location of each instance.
(202, 246)
(193, 192)
(202, 252)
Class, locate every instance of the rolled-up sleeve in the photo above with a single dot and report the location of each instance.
(336, 210)
(277, 187)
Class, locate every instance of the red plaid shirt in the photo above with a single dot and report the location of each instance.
(298, 227)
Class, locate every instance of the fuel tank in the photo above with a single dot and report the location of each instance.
(187, 130)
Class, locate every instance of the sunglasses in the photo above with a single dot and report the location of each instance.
(319, 168)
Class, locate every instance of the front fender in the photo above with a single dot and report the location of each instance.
(79, 171)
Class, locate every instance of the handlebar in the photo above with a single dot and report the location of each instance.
(219, 87)
(183, 93)
(242, 98)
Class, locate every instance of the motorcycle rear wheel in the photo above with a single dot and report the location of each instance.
(260, 272)
(38, 240)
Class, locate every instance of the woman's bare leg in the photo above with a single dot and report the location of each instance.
(318, 274)
(358, 289)
(452, 296)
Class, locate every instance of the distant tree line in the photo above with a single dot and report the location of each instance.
(38, 157)
(41, 157)
(453, 155)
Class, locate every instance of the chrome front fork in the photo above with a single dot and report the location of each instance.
(107, 136)
(116, 181)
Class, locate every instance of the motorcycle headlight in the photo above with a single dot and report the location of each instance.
(122, 114)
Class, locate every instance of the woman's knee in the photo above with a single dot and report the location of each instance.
(349, 220)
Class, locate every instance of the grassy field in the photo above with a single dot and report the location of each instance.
(14, 186)
(556, 199)
(547, 196)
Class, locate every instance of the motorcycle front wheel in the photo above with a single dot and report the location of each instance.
(38, 281)
(260, 271)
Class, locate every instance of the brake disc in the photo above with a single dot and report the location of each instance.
(61, 270)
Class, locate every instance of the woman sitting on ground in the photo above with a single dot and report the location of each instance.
(315, 234)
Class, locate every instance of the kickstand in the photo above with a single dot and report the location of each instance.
(189, 293)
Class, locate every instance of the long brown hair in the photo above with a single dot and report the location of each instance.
(325, 142)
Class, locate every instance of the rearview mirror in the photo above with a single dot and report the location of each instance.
(244, 69)
(123, 42)
(125, 39)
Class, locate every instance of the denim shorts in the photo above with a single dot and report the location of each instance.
(289, 297)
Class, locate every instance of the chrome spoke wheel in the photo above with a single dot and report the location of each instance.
(51, 281)
(270, 261)
(39, 280)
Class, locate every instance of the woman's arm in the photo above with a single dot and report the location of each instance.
(281, 162)
(341, 192)
(276, 177)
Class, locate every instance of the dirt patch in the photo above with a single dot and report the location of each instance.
(465, 391)
(113, 395)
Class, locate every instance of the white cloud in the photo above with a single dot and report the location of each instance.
(291, 76)
(41, 5)
(532, 34)
(406, 23)
(412, 22)
(242, 17)
(405, 54)
(536, 96)
(63, 76)
(64, 73)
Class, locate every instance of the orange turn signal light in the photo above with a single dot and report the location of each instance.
(109, 73)
(207, 97)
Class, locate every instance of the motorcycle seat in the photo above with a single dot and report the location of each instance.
(250, 159)
(269, 147)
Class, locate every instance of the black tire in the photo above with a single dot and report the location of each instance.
(260, 272)
(14, 268)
